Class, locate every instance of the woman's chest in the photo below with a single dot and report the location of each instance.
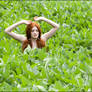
(34, 45)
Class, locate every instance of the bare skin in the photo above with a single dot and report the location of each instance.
(34, 36)
(34, 33)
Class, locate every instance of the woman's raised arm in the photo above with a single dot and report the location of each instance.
(49, 34)
(18, 37)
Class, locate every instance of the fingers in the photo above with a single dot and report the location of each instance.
(35, 18)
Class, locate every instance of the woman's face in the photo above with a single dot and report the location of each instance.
(34, 32)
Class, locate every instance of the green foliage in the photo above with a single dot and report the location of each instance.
(66, 62)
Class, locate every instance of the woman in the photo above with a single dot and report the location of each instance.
(33, 38)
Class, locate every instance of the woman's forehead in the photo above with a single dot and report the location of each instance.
(34, 28)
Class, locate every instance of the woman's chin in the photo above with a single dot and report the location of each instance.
(35, 37)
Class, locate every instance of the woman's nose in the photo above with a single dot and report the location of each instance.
(35, 31)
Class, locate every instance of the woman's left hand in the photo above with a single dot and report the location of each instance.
(35, 18)
(38, 18)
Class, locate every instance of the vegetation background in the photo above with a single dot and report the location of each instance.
(66, 62)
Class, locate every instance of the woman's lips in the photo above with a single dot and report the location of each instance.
(35, 35)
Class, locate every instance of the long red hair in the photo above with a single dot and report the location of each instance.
(39, 41)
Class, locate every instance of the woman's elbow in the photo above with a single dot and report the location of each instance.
(57, 27)
(5, 31)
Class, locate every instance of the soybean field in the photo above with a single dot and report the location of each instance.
(65, 64)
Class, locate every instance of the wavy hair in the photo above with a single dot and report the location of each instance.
(39, 41)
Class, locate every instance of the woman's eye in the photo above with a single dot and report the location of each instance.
(37, 30)
(34, 30)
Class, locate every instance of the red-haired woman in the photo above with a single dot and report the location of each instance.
(33, 38)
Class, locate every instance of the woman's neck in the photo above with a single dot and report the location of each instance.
(33, 40)
(34, 44)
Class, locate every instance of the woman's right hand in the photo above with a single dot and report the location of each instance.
(26, 21)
